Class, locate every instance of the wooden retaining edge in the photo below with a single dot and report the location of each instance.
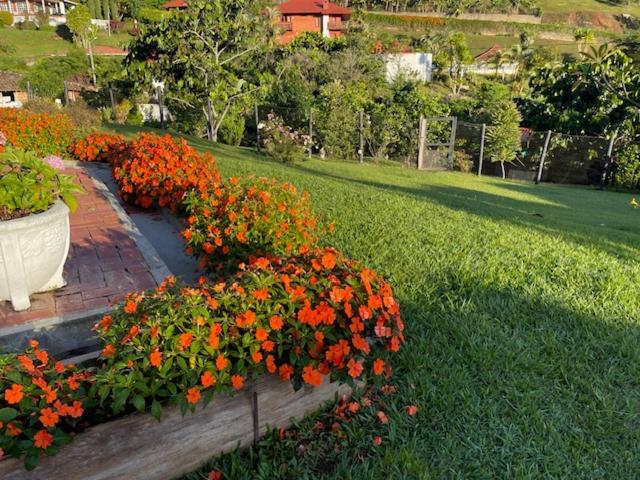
(137, 447)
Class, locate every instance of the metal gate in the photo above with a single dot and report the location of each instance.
(436, 144)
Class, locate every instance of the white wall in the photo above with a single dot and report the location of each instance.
(418, 65)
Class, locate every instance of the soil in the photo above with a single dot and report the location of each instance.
(6, 215)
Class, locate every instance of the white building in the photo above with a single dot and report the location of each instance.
(417, 65)
(26, 10)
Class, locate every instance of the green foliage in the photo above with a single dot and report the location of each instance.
(281, 142)
(152, 15)
(29, 185)
(208, 57)
(232, 128)
(48, 75)
(79, 20)
(27, 25)
(6, 19)
(503, 133)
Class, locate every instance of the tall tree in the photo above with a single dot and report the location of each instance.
(503, 134)
(79, 22)
(208, 57)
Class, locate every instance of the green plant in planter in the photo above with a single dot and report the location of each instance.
(30, 185)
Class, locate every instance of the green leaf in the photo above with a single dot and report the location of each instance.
(156, 410)
(31, 459)
(139, 403)
(7, 414)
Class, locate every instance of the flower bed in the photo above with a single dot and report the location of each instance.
(40, 133)
(96, 147)
(154, 170)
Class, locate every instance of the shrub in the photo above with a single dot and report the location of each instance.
(154, 170)
(6, 19)
(308, 318)
(29, 185)
(42, 134)
(41, 405)
(28, 25)
(96, 147)
(232, 129)
(42, 105)
(248, 217)
(83, 116)
(281, 142)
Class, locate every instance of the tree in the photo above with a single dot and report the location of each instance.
(209, 57)
(454, 54)
(503, 135)
(583, 36)
(79, 22)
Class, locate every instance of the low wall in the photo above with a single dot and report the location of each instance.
(137, 447)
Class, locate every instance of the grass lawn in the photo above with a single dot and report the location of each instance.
(571, 6)
(522, 306)
(32, 44)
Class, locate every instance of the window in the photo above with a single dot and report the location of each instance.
(21, 7)
(4, 7)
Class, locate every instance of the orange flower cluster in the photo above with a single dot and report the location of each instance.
(154, 170)
(96, 147)
(40, 402)
(242, 218)
(40, 133)
(303, 318)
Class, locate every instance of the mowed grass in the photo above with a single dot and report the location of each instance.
(522, 306)
(572, 6)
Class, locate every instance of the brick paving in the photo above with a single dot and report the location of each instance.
(103, 265)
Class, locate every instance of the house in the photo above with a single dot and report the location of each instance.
(487, 63)
(75, 84)
(415, 64)
(26, 10)
(321, 16)
(175, 5)
(11, 93)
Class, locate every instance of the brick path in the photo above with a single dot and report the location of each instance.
(103, 265)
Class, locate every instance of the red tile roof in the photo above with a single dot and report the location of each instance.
(175, 4)
(309, 7)
(488, 54)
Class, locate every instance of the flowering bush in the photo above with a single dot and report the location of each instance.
(253, 216)
(154, 170)
(306, 319)
(40, 133)
(281, 142)
(95, 147)
(30, 185)
(41, 403)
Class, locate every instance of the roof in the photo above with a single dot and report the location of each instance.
(79, 82)
(10, 82)
(309, 7)
(175, 4)
(489, 53)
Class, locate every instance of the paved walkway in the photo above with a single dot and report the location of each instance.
(104, 262)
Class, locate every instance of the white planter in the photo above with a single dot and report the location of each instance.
(33, 250)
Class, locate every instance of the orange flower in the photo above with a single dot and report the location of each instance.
(246, 319)
(312, 376)
(355, 368)
(48, 417)
(193, 395)
(412, 410)
(105, 323)
(14, 394)
(26, 362)
(12, 430)
(328, 260)
(377, 440)
(237, 381)
(271, 364)
(76, 409)
(268, 346)
(286, 371)
(108, 351)
(382, 417)
(215, 475)
(221, 362)
(256, 357)
(42, 439)
(33, 343)
(184, 340)
(155, 358)
(261, 294)
(378, 366)
(130, 307)
(261, 334)
(207, 379)
(275, 322)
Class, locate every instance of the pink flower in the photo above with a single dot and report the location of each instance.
(55, 161)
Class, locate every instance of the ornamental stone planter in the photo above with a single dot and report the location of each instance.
(138, 447)
(33, 250)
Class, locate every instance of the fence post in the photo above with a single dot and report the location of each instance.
(607, 161)
(112, 98)
(66, 92)
(543, 157)
(310, 132)
(484, 131)
(452, 141)
(361, 129)
(209, 120)
(161, 107)
(255, 112)
(422, 133)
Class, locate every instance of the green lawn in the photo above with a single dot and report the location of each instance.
(572, 6)
(33, 44)
(522, 305)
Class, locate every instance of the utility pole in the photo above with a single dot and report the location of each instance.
(484, 131)
(361, 151)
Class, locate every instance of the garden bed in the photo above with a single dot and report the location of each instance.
(139, 447)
